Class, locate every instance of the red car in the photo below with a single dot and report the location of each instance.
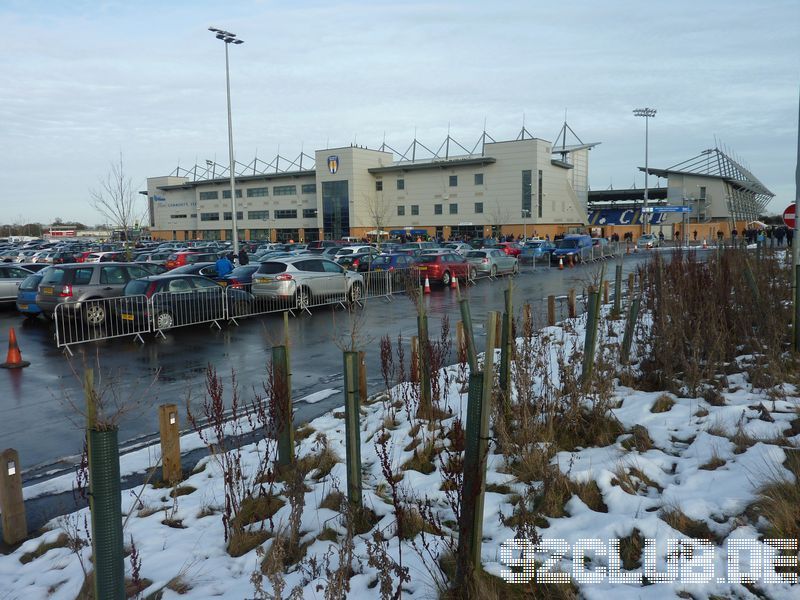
(442, 267)
(180, 259)
(510, 248)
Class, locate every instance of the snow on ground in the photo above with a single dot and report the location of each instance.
(320, 395)
(685, 439)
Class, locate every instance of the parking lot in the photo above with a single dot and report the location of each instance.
(41, 424)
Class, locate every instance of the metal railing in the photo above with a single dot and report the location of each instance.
(178, 309)
(100, 319)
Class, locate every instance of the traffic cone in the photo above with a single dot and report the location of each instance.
(427, 288)
(705, 245)
(454, 282)
(561, 263)
(14, 357)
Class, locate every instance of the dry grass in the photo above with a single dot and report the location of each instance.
(779, 499)
(676, 519)
(183, 490)
(422, 459)
(319, 464)
(640, 439)
(633, 481)
(242, 542)
(481, 585)
(62, 541)
(662, 404)
(630, 550)
(256, 509)
(715, 462)
(304, 431)
(333, 501)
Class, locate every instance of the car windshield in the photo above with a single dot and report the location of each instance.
(476, 254)
(243, 271)
(271, 268)
(53, 277)
(30, 283)
(382, 260)
(136, 287)
(567, 244)
(427, 258)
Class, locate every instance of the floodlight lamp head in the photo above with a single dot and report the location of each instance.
(644, 112)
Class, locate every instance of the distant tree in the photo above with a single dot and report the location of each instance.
(498, 216)
(378, 209)
(116, 200)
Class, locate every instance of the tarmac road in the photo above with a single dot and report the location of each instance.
(39, 421)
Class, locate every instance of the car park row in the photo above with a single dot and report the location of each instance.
(95, 299)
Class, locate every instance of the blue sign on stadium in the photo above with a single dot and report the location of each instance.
(623, 216)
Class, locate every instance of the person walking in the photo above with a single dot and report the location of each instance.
(695, 234)
(223, 266)
(243, 258)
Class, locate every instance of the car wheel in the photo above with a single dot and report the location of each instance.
(446, 278)
(302, 298)
(164, 320)
(493, 272)
(30, 316)
(356, 292)
(95, 314)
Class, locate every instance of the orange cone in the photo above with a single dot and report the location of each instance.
(14, 357)
(427, 289)
(454, 282)
(561, 263)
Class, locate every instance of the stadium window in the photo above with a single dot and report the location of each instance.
(437, 209)
(453, 180)
(415, 209)
(257, 192)
(478, 178)
(401, 184)
(284, 190)
(478, 207)
(378, 186)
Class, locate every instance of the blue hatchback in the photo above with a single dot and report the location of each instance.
(26, 296)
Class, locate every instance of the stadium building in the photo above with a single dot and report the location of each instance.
(526, 185)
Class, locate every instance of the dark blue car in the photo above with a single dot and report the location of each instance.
(26, 296)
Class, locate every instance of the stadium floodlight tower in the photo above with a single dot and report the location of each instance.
(230, 38)
(647, 113)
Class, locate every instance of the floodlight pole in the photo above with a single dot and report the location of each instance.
(647, 113)
(230, 38)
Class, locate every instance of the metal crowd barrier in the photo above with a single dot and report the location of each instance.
(262, 305)
(101, 319)
(179, 309)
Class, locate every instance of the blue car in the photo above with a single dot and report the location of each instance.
(26, 296)
(538, 248)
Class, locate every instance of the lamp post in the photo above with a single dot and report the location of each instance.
(230, 38)
(647, 113)
(525, 214)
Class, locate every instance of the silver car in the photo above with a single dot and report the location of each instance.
(459, 247)
(10, 278)
(492, 261)
(307, 279)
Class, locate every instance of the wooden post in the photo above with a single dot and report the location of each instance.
(352, 420)
(414, 359)
(169, 430)
(631, 285)
(461, 346)
(551, 310)
(571, 307)
(12, 505)
(498, 333)
(605, 292)
(283, 400)
(362, 376)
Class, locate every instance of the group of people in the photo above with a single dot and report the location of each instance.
(225, 263)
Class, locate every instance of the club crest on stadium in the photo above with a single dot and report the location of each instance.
(333, 164)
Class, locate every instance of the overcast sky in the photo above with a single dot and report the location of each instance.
(85, 80)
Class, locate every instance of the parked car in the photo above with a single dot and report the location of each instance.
(159, 258)
(537, 248)
(510, 248)
(443, 267)
(346, 250)
(305, 279)
(179, 299)
(64, 257)
(26, 296)
(572, 245)
(96, 257)
(459, 247)
(178, 259)
(153, 268)
(11, 276)
(648, 240)
(356, 260)
(72, 285)
(241, 277)
(206, 269)
(492, 261)
(33, 267)
(388, 262)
